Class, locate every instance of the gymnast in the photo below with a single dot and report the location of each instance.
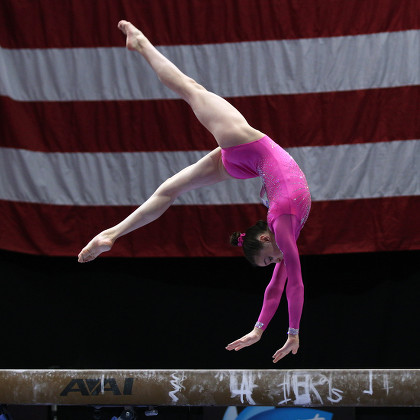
(242, 152)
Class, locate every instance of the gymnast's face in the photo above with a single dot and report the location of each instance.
(270, 253)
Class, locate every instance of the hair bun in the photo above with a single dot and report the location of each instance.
(234, 238)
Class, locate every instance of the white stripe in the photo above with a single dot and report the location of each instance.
(357, 171)
(381, 60)
(365, 170)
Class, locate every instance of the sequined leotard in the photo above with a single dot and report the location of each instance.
(289, 202)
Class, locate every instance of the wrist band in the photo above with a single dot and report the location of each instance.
(293, 331)
(259, 325)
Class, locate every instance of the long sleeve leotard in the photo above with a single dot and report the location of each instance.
(289, 268)
(289, 203)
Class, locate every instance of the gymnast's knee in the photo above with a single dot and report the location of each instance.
(193, 88)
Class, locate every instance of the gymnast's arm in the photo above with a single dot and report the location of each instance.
(284, 227)
(207, 171)
(272, 296)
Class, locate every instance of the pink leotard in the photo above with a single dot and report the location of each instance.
(289, 202)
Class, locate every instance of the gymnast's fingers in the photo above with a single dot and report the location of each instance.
(239, 344)
(279, 355)
(233, 345)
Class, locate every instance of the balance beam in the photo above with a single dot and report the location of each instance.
(309, 388)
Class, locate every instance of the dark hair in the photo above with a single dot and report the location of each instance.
(251, 244)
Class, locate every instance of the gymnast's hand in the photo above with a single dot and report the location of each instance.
(100, 243)
(292, 345)
(246, 340)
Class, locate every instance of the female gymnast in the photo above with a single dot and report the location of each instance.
(243, 152)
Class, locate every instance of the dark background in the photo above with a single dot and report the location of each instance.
(360, 311)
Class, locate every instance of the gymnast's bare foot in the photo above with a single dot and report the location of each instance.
(100, 243)
(135, 38)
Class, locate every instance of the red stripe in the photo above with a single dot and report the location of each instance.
(385, 224)
(81, 23)
(320, 119)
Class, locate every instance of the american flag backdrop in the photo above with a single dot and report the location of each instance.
(87, 132)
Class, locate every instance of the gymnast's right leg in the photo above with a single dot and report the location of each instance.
(224, 121)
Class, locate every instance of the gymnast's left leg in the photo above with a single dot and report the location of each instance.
(224, 121)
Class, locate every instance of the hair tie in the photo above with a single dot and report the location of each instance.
(241, 239)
